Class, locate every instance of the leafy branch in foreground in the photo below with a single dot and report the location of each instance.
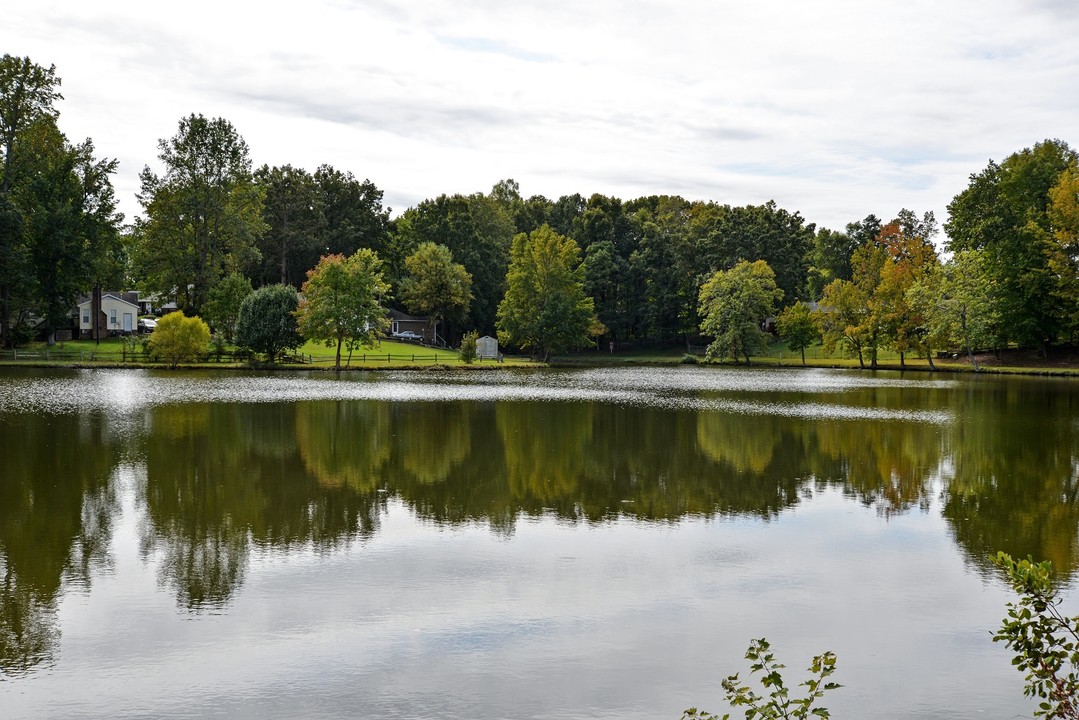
(1045, 641)
(777, 704)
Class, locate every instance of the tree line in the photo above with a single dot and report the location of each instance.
(548, 275)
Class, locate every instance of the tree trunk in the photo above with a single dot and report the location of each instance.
(902, 359)
(337, 363)
(5, 328)
(803, 357)
(861, 360)
(95, 315)
(929, 356)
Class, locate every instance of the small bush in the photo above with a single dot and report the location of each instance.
(688, 359)
(267, 322)
(777, 703)
(468, 347)
(179, 339)
(1044, 639)
(217, 346)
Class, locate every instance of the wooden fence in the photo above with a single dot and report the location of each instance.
(118, 355)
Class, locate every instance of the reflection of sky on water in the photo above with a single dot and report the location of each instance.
(623, 619)
(569, 616)
(124, 391)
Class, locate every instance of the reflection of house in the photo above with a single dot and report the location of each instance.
(119, 314)
(403, 324)
(487, 348)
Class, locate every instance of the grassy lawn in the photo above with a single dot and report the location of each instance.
(384, 355)
(781, 355)
(389, 354)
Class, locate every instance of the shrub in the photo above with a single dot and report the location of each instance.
(179, 339)
(778, 703)
(1045, 640)
(217, 346)
(468, 347)
(267, 322)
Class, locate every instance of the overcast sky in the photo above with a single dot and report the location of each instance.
(834, 109)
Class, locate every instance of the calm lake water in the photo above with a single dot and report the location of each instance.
(546, 544)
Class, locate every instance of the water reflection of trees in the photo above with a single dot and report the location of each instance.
(57, 506)
(887, 464)
(222, 478)
(1014, 485)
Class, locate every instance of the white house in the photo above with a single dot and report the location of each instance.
(117, 316)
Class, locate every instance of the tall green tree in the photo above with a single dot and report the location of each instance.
(28, 94)
(734, 305)
(477, 229)
(545, 309)
(867, 269)
(795, 325)
(843, 310)
(1004, 211)
(958, 304)
(607, 280)
(267, 322)
(353, 215)
(222, 309)
(343, 301)
(203, 214)
(663, 268)
(1063, 246)
(436, 286)
(292, 212)
(71, 223)
(725, 235)
(829, 259)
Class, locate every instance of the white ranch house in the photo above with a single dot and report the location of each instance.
(117, 316)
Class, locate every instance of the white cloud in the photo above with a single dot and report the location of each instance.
(834, 109)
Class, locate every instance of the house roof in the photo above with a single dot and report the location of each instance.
(114, 296)
(399, 316)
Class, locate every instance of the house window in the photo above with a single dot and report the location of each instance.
(394, 329)
(86, 316)
(112, 317)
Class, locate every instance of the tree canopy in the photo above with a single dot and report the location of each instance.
(267, 321)
(795, 325)
(203, 214)
(734, 305)
(1005, 210)
(545, 308)
(436, 285)
(59, 227)
(343, 301)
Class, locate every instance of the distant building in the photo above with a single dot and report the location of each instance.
(487, 348)
(119, 314)
(413, 327)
